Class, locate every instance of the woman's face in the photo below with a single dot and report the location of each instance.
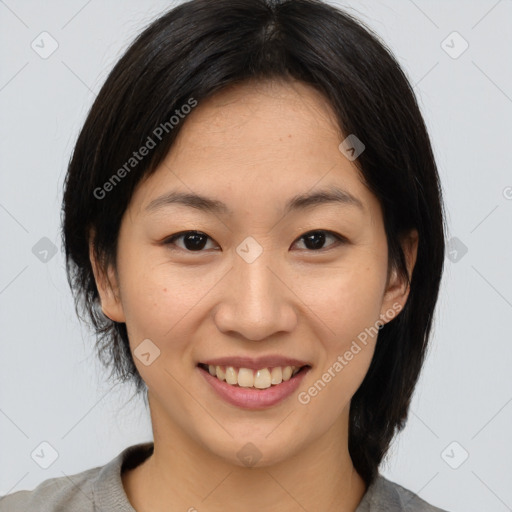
(251, 290)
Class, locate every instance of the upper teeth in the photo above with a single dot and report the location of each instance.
(248, 378)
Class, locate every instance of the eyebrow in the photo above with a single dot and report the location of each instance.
(331, 195)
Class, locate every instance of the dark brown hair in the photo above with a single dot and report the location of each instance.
(197, 49)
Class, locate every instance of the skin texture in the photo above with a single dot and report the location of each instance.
(252, 146)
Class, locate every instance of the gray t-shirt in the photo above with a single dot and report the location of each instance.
(100, 489)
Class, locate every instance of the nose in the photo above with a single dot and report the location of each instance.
(256, 301)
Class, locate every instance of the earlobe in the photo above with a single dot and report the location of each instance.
(108, 288)
(397, 290)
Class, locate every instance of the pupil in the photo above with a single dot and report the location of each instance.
(197, 243)
(315, 245)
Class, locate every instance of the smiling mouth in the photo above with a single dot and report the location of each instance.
(263, 378)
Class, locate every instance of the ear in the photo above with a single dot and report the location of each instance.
(108, 288)
(397, 288)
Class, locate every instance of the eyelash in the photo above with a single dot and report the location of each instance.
(339, 239)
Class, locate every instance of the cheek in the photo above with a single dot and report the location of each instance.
(163, 302)
(159, 305)
(349, 300)
(350, 307)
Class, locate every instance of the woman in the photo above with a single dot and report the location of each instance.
(253, 220)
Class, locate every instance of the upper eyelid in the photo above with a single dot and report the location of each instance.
(338, 237)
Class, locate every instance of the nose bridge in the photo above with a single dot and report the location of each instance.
(256, 284)
(255, 302)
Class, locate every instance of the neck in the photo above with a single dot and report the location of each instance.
(184, 473)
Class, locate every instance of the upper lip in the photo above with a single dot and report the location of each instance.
(270, 361)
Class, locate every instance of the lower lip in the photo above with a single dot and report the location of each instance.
(250, 398)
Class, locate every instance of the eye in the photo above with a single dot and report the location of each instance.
(314, 240)
(193, 241)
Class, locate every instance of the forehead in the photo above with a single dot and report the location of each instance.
(260, 143)
(265, 111)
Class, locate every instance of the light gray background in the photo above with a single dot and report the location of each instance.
(51, 387)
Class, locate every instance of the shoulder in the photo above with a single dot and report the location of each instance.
(387, 496)
(73, 492)
(98, 488)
